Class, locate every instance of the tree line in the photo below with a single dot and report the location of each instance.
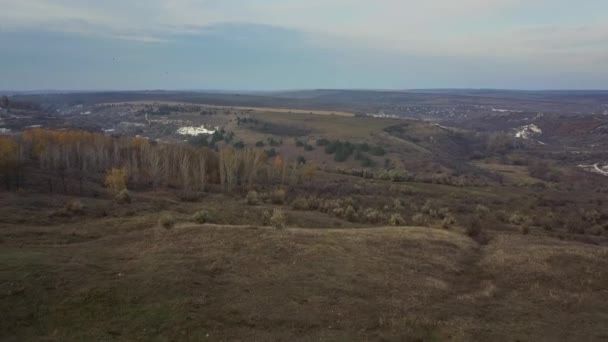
(75, 154)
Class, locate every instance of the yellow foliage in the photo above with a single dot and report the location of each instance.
(311, 170)
(8, 151)
(116, 180)
(279, 164)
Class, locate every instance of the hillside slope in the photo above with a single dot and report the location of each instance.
(198, 282)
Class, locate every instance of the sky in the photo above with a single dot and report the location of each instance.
(303, 44)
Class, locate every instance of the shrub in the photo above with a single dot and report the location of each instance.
(481, 210)
(116, 180)
(575, 226)
(372, 215)
(278, 219)
(350, 213)
(322, 142)
(74, 207)
(123, 197)
(397, 204)
(278, 196)
(525, 229)
(166, 221)
(419, 219)
(300, 203)
(313, 203)
(518, 219)
(396, 220)
(447, 221)
(252, 198)
(596, 230)
(201, 217)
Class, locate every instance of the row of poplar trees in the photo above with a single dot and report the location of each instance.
(74, 154)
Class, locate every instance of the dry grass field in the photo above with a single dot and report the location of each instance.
(137, 281)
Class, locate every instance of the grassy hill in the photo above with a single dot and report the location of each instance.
(100, 280)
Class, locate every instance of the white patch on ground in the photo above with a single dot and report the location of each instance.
(528, 131)
(108, 130)
(4, 130)
(505, 110)
(596, 168)
(195, 131)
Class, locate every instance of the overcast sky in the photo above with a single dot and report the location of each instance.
(294, 44)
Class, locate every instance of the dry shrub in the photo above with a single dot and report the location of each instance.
(201, 217)
(300, 203)
(372, 215)
(447, 221)
(524, 229)
(350, 213)
(166, 221)
(313, 203)
(278, 219)
(396, 220)
(481, 210)
(252, 198)
(518, 219)
(397, 204)
(116, 180)
(419, 220)
(596, 230)
(74, 207)
(123, 197)
(278, 196)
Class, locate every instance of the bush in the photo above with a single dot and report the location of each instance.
(201, 217)
(447, 221)
(313, 203)
(74, 207)
(397, 204)
(300, 203)
(525, 229)
(116, 180)
(481, 210)
(419, 220)
(350, 213)
(396, 220)
(322, 142)
(596, 230)
(253, 198)
(123, 197)
(278, 196)
(167, 221)
(372, 215)
(518, 219)
(278, 219)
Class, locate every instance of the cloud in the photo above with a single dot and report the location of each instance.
(549, 35)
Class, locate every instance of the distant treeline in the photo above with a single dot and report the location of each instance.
(76, 154)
